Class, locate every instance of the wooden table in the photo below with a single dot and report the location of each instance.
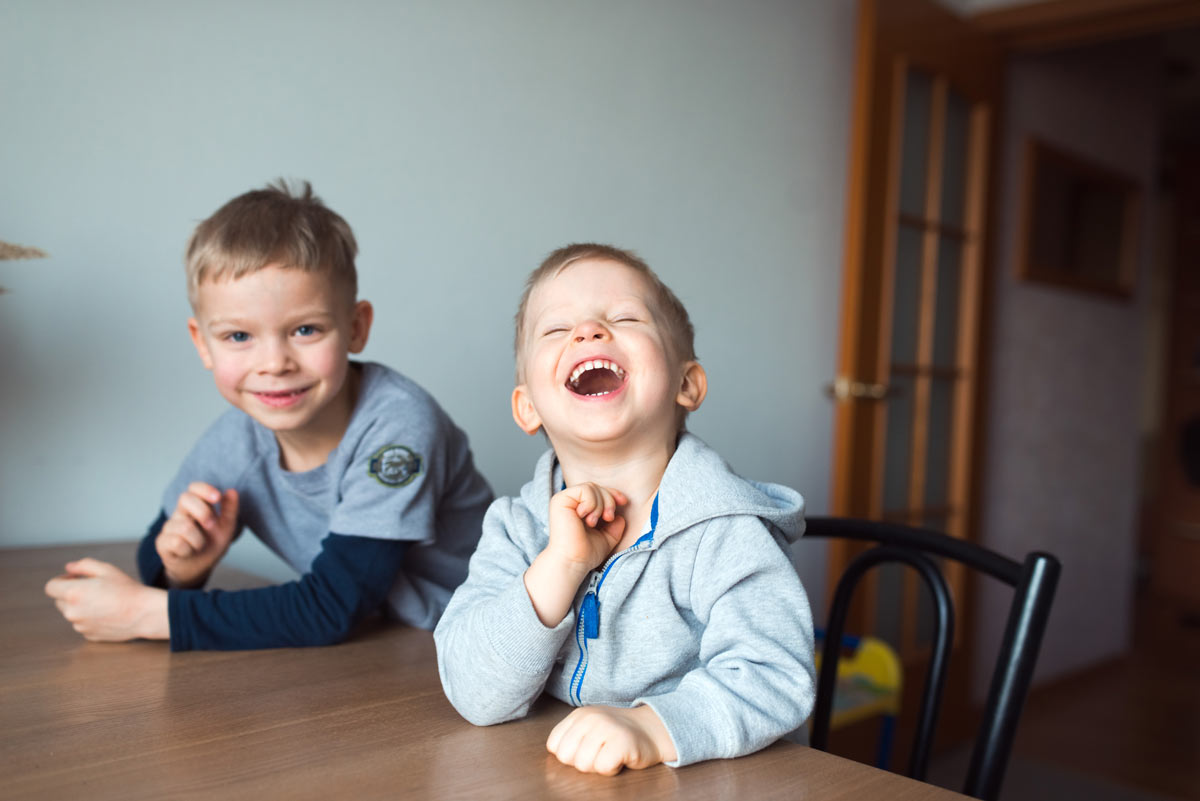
(366, 719)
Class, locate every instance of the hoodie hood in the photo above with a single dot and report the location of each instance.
(697, 486)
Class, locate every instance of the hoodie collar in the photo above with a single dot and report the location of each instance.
(697, 486)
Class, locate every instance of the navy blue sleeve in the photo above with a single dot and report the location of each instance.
(150, 565)
(349, 580)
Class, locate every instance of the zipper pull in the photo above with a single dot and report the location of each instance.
(589, 610)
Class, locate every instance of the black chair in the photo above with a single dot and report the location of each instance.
(1034, 581)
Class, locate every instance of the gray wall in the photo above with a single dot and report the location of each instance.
(463, 141)
(1062, 466)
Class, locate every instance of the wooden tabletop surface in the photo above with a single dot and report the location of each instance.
(365, 719)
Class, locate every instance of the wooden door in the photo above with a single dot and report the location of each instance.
(926, 95)
(1176, 517)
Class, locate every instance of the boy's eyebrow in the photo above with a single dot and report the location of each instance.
(535, 314)
(292, 317)
(218, 321)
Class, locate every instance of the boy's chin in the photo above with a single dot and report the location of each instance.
(610, 437)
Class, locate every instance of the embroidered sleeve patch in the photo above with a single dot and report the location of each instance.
(395, 465)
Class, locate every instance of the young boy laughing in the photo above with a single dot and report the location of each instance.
(636, 577)
(347, 470)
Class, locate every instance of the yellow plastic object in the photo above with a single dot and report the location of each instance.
(868, 683)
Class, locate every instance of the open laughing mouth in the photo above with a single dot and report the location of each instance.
(596, 377)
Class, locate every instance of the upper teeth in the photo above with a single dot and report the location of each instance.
(596, 364)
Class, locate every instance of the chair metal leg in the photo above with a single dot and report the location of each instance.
(1013, 674)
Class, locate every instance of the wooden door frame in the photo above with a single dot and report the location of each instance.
(1056, 24)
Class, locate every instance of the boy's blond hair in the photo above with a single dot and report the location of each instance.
(681, 336)
(277, 225)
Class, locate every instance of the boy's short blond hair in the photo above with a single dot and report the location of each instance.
(671, 313)
(277, 225)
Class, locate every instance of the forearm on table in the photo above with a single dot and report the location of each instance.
(494, 654)
(349, 580)
(153, 617)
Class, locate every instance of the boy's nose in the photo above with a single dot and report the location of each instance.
(591, 330)
(277, 358)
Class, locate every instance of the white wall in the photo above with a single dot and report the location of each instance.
(1062, 466)
(463, 141)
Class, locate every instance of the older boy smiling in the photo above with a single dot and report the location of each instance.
(277, 342)
(349, 471)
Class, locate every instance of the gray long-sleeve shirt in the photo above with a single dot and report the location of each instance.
(704, 620)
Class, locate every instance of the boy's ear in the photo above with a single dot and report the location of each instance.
(360, 325)
(524, 414)
(693, 387)
(198, 341)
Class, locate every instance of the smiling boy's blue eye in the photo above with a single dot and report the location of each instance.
(239, 336)
(306, 330)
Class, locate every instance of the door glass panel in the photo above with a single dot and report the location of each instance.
(945, 320)
(954, 164)
(937, 454)
(918, 96)
(917, 287)
(934, 522)
(888, 607)
(897, 462)
(906, 295)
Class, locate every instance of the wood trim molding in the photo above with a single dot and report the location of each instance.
(848, 336)
(1062, 23)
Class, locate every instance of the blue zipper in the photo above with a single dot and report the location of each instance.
(587, 627)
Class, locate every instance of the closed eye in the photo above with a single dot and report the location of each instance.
(558, 329)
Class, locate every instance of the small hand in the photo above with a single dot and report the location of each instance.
(584, 528)
(584, 524)
(105, 605)
(603, 739)
(195, 536)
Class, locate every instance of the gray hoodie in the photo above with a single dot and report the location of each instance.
(704, 620)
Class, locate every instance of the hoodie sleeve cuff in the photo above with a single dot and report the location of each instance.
(695, 740)
(518, 637)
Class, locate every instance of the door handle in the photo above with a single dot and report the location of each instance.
(843, 389)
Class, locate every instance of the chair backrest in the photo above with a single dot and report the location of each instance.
(1034, 582)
